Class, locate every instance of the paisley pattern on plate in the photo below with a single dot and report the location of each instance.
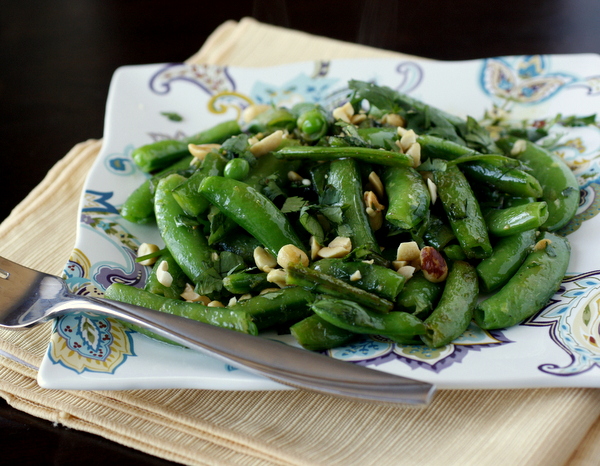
(107, 244)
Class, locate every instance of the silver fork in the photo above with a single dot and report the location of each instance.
(29, 297)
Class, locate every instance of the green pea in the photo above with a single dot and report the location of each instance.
(237, 169)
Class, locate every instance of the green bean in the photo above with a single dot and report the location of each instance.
(507, 256)
(139, 205)
(187, 195)
(221, 317)
(373, 278)
(188, 245)
(408, 197)
(320, 282)
(277, 307)
(463, 212)
(560, 187)
(161, 154)
(454, 312)
(530, 288)
(252, 211)
(505, 222)
(353, 317)
(364, 154)
(315, 334)
(153, 285)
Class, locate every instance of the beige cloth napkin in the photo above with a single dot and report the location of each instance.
(462, 427)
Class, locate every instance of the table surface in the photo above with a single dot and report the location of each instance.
(57, 58)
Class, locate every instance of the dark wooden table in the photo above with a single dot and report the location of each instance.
(57, 58)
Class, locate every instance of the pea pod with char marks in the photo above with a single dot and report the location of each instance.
(530, 288)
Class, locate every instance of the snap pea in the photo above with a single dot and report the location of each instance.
(187, 195)
(507, 256)
(454, 312)
(353, 317)
(408, 197)
(271, 120)
(161, 154)
(493, 171)
(373, 278)
(316, 334)
(419, 296)
(320, 282)
(516, 219)
(312, 121)
(139, 205)
(364, 154)
(188, 245)
(153, 285)
(349, 195)
(246, 282)
(221, 317)
(463, 212)
(254, 212)
(438, 233)
(277, 307)
(559, 185)
(530, 288)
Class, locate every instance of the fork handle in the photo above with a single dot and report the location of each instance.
(280, 362)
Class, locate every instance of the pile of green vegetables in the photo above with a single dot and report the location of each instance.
(491, 208)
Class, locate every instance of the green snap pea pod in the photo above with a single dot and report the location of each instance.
(277, 307)
(373, 278)
(438, 233)
(315, 334)
(188, 245)
(530, 288)
(379, 137)
(507, 256)
(161, 154)
(254, 212)
(560, 187)
(319, 282)
(454, 252)
(505, 222)
(463, 212)
(271, 120)
(246, 282)
(501, 174)
(419, 296)
(239, 243)
(139, 206)
(344, 178)
(187, 195)
(408, 197)
(353, 317)
(218, 316)
(179, 278)
(454, 312)
(365, 154)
